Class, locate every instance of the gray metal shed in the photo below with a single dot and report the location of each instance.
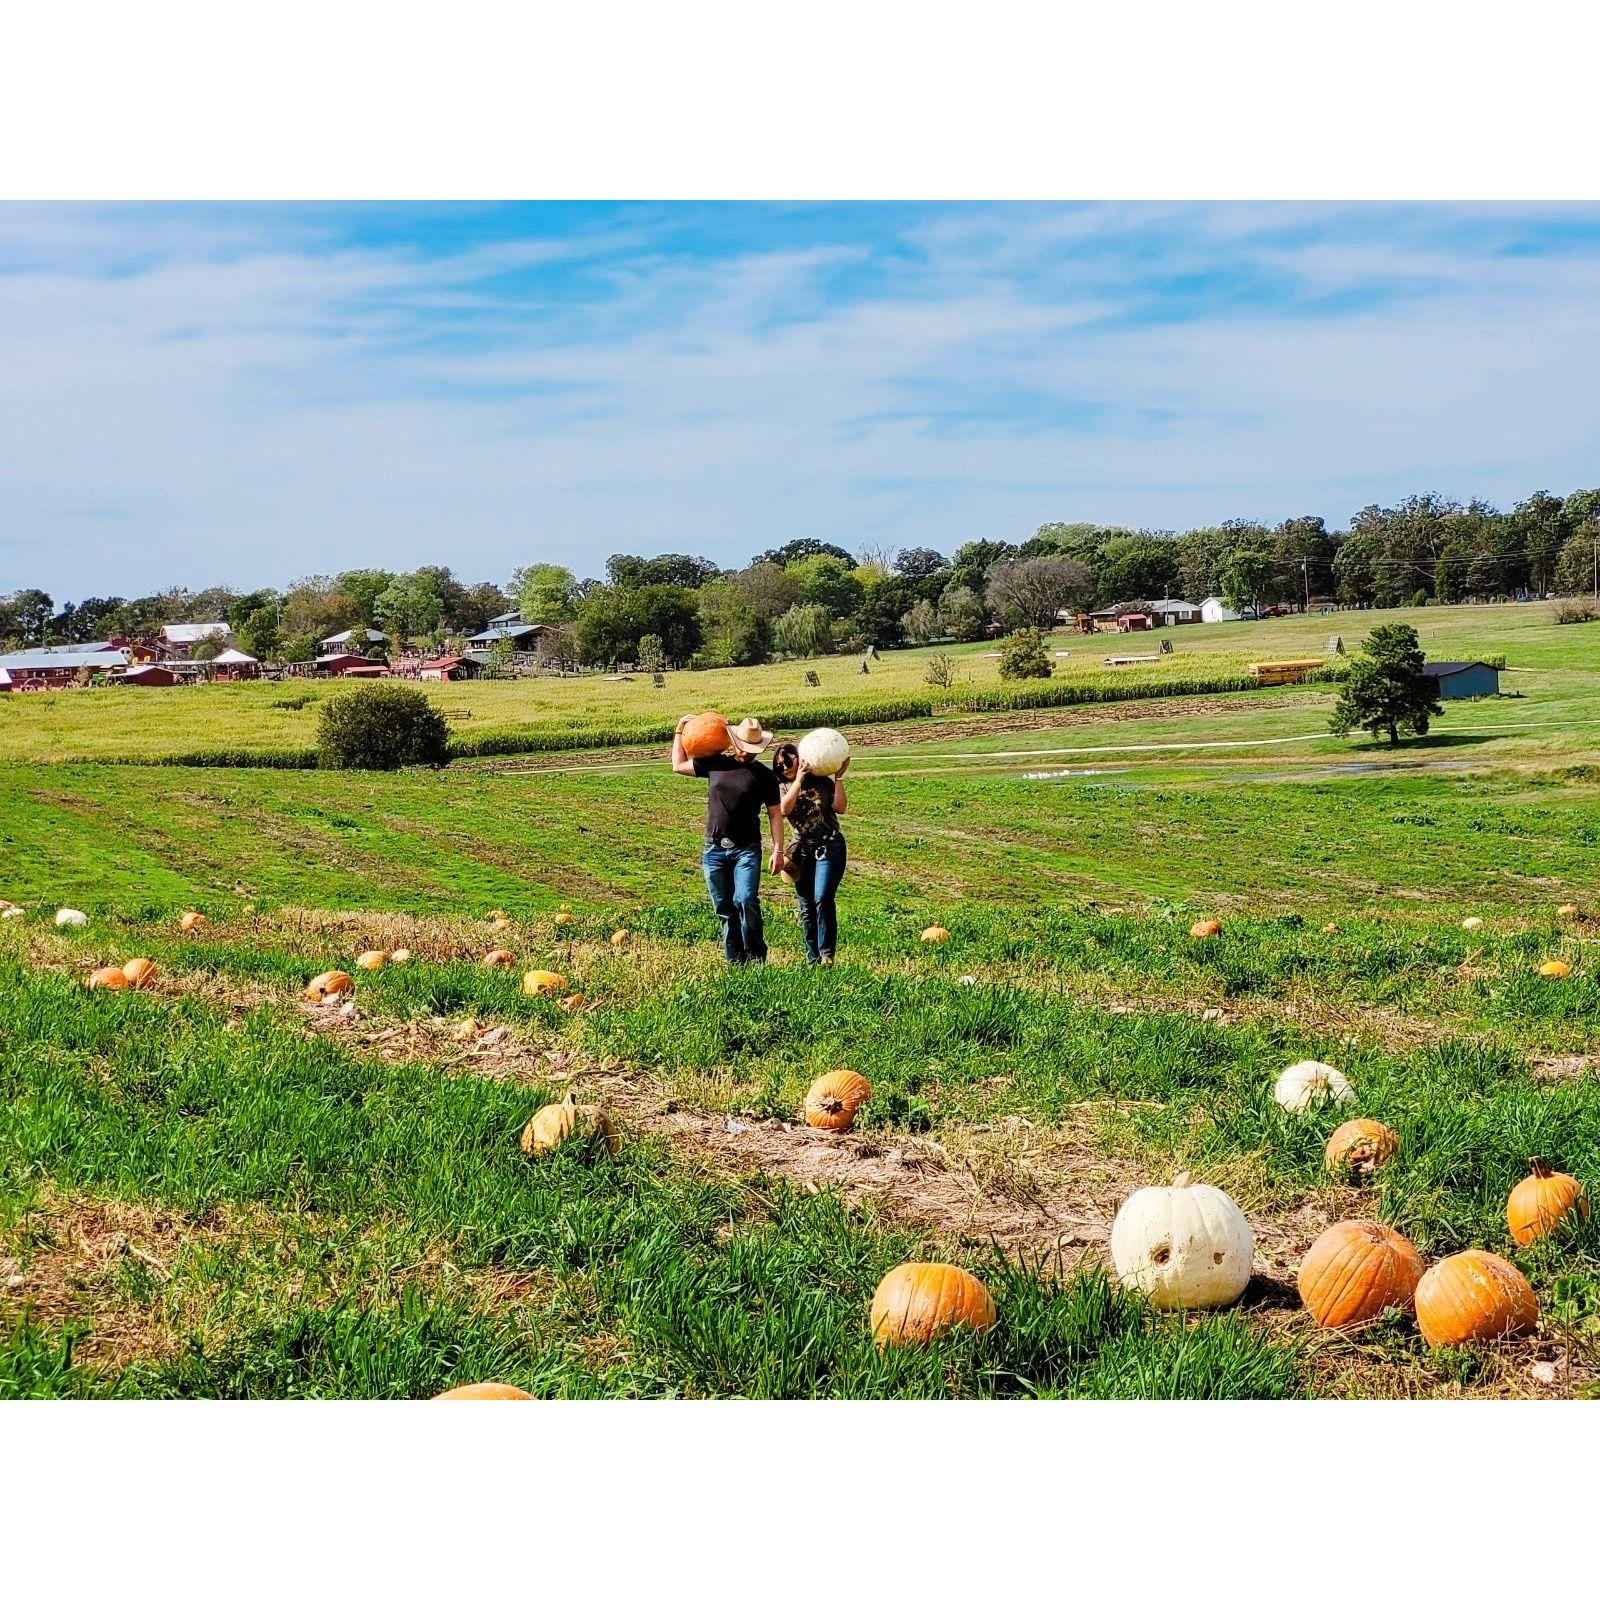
(1463, 680)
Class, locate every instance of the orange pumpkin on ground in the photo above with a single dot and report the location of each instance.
(619, 938)
(485, 1391)
(371, 960)
(326, 983)
(1567, 910)
(1474, 1298)
(1208, 928)
(922, 1299)
(542, 982)
(1359, 1147)
(553, 1125)
(499, 958)
(191, 920)
(1554, 968)
(1542, 1202)
(705, 735)
(1356, 1270)
(140, 972)
(935, 935)
(563, 918)
(833, 1100)
(107, 978)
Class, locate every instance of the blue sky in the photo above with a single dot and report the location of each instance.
(249, 393)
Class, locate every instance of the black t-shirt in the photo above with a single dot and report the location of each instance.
(736, 793)
(812, 817)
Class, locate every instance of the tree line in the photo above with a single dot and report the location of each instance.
(810, 597)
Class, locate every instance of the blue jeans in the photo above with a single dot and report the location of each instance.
(816, 875)
(734, 879)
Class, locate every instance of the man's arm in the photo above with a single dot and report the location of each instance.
(682, 762)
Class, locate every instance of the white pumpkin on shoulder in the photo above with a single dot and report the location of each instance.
(1187, 1246)
(1311, 1083)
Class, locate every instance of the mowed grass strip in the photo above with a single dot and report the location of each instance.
(692, 1285)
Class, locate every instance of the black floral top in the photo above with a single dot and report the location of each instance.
(813, 819)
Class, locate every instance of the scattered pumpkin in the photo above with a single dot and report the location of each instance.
(1472, 924)
(371, 960)
(497, 915)
(1330, 927)
(11, 913)
(499, 958)
(1554, 968)
(571, 1002)
(935, 935)
(1359, 1147)
(400, 956)
(1309, 1083)
(539, 981)
(191, 920)
(555, 1125)
(563, 918)
(66, 917)
(918, 1301)
(824, 750)
(107, 978)
(140, 972)
(466, 1030)
(485, 1391)
(619, 938)
(326, 983)
(1208, 928)
(1542, 1202)
(1355, 1271)
(705, 735)
(1187, 1246)
(834, 1099)
(1567, 910)
(1472, 1298)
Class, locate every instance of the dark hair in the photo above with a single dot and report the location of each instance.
(785, 755)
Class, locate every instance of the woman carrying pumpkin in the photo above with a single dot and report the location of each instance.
(812, 805)
(738, 788)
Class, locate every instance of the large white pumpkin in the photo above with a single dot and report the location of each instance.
(66, 917)
(824, 751)
(1310, 1083)
(1188, 1247)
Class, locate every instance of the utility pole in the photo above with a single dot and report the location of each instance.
(1305, 572)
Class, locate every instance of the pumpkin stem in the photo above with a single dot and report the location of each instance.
(1183, 1180)
(1541, 1169)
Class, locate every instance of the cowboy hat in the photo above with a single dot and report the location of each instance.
(749, 736)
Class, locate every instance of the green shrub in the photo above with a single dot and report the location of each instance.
(1024, 656)
(381, 727)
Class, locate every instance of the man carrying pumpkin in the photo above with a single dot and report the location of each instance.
(737, 788)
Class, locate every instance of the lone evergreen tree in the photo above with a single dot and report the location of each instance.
(1386, 690)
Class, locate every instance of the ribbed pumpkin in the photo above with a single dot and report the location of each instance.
(1472, 924)
(191, 920)
(1307, 1084)
(465, 1030)
(554, 1125)
(833, 1100)
(326, 983)
(563, 918)
(485, 1391)
(371, 960)
(1567, 910)
(1355, 1271)
(140, 972)
(619, 938)
(922, 1299)
(935, 935)
(540, 981)
(1330, 927)
(1208, 928)
(499, 958)
(705, 735)
(1187, 1245)
(1542, 1202)
(1554, 968)
(400, 956)
(66, 917)
(107, 978)
(1359, 1147)
(1473, 1298)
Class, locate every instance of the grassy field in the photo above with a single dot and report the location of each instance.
(214, 1188)
(232, 719)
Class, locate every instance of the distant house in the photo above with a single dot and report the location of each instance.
(509, 625)
(1170, 613)
(335, 642)
(180, 638)
(148, 675)
(1463, 680)
(443, 669)
(1215, 609)
(59, 666)
(233, 665)
(340, 663)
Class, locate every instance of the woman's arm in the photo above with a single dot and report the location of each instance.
(775, 821)
(790, 792)
(682, 762)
